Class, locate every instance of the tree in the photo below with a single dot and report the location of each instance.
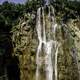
(33, 5)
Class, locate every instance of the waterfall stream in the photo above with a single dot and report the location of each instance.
(47, 2)
(48, 46)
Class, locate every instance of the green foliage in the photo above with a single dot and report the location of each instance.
(69, 3)
(33, 5)
(10, 12)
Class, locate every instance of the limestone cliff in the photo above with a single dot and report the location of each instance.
(25, 44)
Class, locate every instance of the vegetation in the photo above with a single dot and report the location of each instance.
(10, 12)
(10, 16)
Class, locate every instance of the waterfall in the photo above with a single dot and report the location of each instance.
(47, 2)
(48, 46)
(40, 43)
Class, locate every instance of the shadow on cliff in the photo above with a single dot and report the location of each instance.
(12, 62)
(7, 61)
(13, 69)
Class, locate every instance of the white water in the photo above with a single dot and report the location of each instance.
(47, 2)
(48, 46)
(38, 62)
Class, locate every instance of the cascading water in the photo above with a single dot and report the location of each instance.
(47, 2)
(47, 50)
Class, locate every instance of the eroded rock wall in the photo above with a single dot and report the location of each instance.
(25, 44)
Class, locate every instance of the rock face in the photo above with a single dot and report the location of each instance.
(25, 44)
(67, 56)
(75, 31)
